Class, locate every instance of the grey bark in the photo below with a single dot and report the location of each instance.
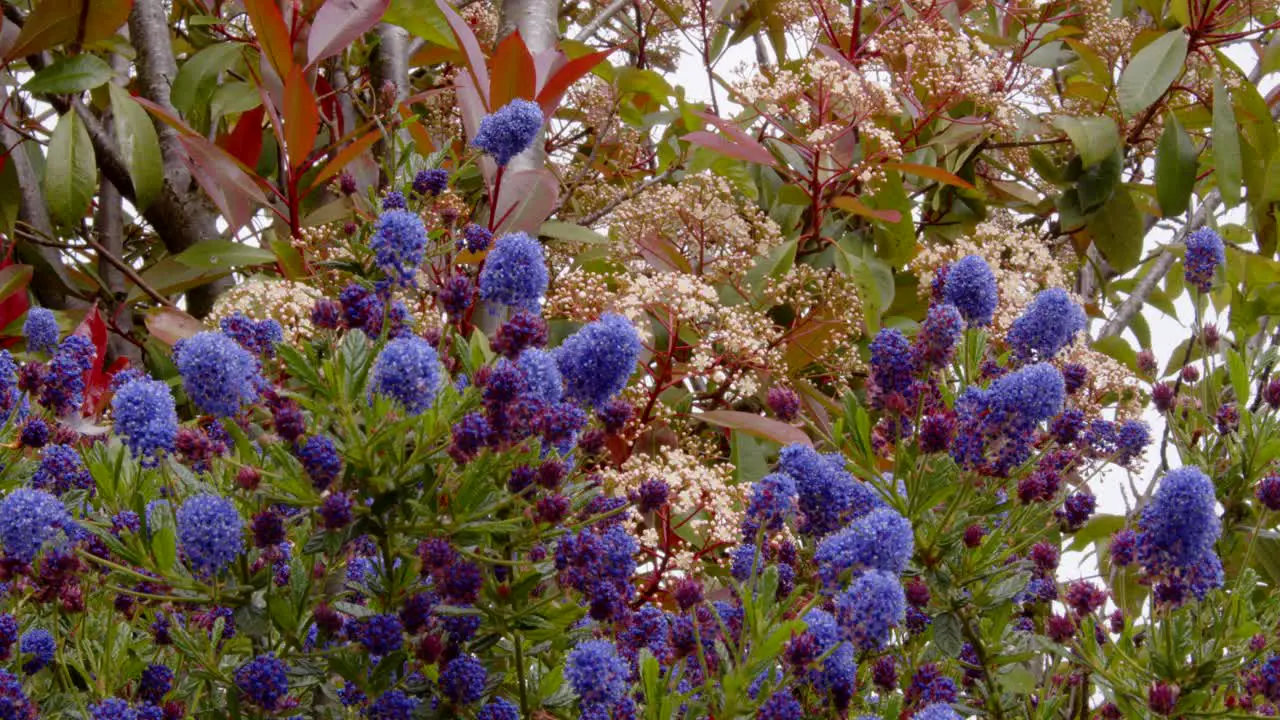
(538, 23)
(49, 280)
(108, 225)
(390, 68)
(182, 215)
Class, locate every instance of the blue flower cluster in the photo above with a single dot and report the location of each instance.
(870, 608)
(40, 646)
(510, 130)
(408, 371)
(63, 390)
(264, 681)
(257, 336)
(210, 532)
(399, 245)
(1006, 415)
(463, 679)
(1176, 536)
(597, 673)
(1205, 253)
(829, 497)
(28, 520)
(1049, 324)
(41, 330)
(598, 360)
(515, 272)
(145, 417)
(60, 470)
(220, 377)
(880, 540)
(971, 287)
(891, 363)
(599, 563)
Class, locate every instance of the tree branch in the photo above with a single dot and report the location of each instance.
(1132, 304)
(590, 29)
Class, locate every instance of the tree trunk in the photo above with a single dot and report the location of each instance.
(539, 26)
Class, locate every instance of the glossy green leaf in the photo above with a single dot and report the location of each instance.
(572, 233)
(1095, 138)
(1175, 168)
(223, 254)
(139, 144)
(198, 77)
(71, 75)
(71, 176)
(1150, 73)
(1117, 231)
(423, 19)
(1226, 145)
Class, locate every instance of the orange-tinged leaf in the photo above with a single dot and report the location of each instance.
(434, 55)
(856, 206)
(936, 174)
(512, 71)
(756, 426)
(169, 325)
(301, 117)
(344, 156)
(245, 140)
(754, 152)
(273, 34)
(55, 22)
(558, 84)
(338, 23)
(231, 187)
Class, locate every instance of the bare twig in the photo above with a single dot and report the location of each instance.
(590, 29)
(632, 193)
(1132, 305)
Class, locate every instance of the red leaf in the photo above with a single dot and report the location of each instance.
(15, 304)
(757, 154)
(512, 70)
(245, 140)
(227, 183)
(526, 200)
(94, 328)
(339, 22)
(857, 207)
(301, 118)
(344, 156)
(549, 95)
(55, 22)
(756, 426)
(470, 47)
(273, 34)
(169, 325)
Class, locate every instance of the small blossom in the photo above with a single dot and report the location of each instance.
(41, 330)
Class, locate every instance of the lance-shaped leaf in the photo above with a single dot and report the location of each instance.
(71, 175)
(338, 23)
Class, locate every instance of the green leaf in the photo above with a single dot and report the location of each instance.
(1152, 71)
(165, 546)
(1094, 137)
(1175, 168)
(947, 635)
(1239, 375)
(423, 19)
(572, 233)
(223, 254)
(139, 144)
(1117, 231)
(756, 425)
(198, 77)
(1118, 349)
(71, 175)
(71, 75)
(1226, 145)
